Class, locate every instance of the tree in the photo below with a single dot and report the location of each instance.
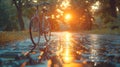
(118, 5)
(108, 9)
(82, 14)
(19, 5)
(4, 17)
(8, 16)
(113, 8)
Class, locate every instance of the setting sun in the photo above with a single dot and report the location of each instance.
(68, 16)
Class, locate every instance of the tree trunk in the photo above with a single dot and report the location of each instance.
(20, 19)
(19, 12)
(113, 8)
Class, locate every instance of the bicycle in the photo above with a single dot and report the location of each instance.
(39, 25)
(38, 28)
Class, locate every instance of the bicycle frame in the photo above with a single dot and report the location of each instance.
(41, 25)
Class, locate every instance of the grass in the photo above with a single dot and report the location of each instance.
(6, 37)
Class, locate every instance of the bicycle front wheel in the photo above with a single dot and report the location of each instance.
(47, 31)
(34, 29)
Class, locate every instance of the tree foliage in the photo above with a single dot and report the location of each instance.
(8, 16)
(108, 9)
(3, 15)
(19, 6)
(8, 12)
(83, 14)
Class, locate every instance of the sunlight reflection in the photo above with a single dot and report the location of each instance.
(94, 48)
(67, 51)
(67, 36)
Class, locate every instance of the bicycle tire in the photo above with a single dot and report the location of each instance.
(47, 30)
(34, 30)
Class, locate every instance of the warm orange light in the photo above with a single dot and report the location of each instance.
(59, 11)
(41, 53)
(67, 55)
(58, 16)
(67, 52)
(67, 59)
(67, 36)
(84, 62)
(68, 16)
(52, 16)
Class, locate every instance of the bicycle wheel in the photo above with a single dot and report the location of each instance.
(34, 29)
(47, 30)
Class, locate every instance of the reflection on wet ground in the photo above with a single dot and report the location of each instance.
(68, 50)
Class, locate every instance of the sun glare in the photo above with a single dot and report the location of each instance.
(68, 16)
(62, 6)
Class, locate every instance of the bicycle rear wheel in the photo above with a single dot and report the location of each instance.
(34, 29)
(47, 30)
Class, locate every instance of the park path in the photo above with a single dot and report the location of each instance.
(86, 49)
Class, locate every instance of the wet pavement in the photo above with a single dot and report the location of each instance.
(68, 50)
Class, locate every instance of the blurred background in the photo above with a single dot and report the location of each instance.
(75, 15)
